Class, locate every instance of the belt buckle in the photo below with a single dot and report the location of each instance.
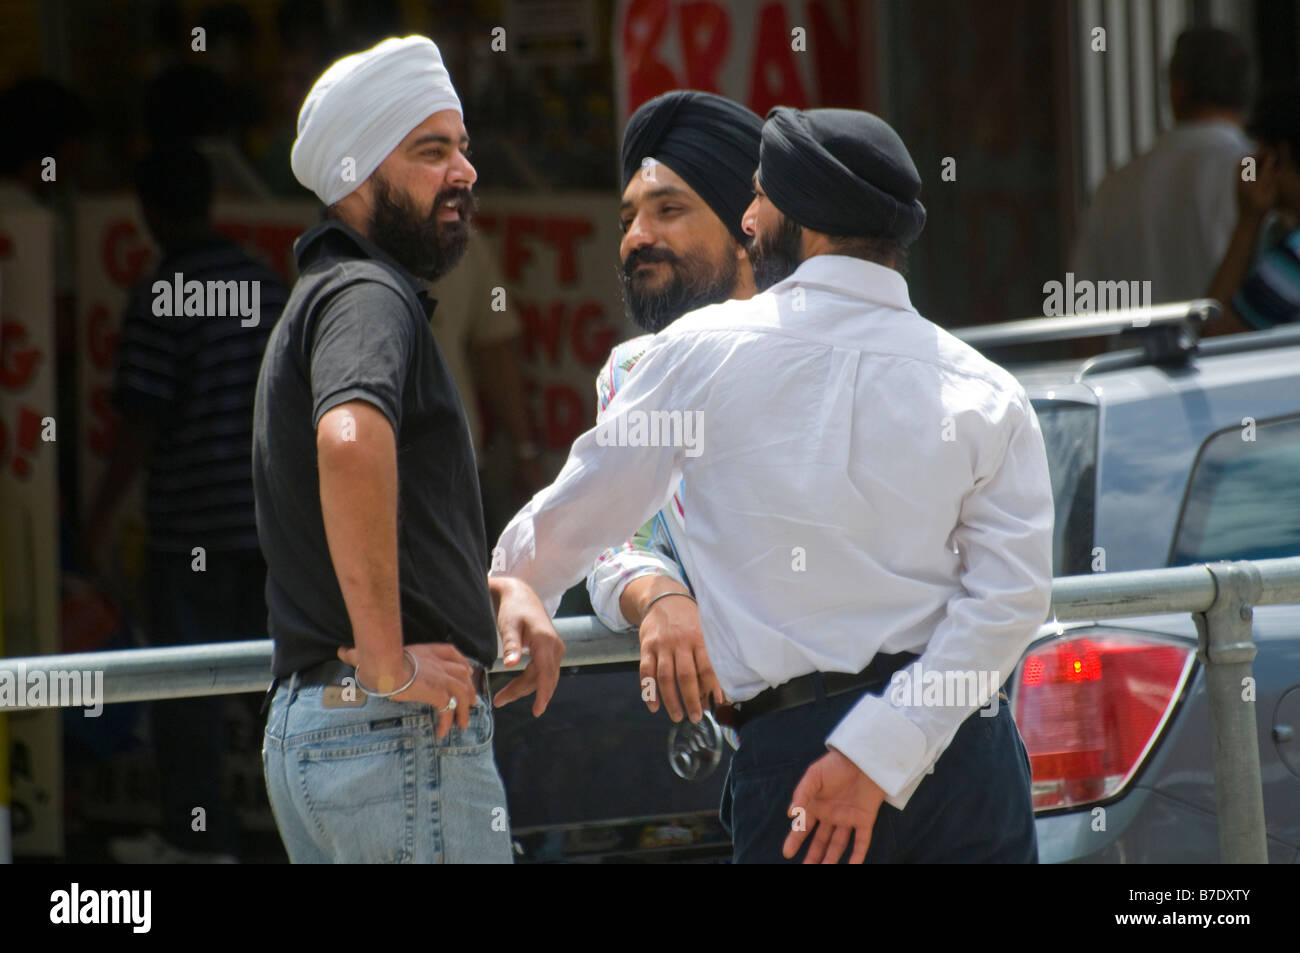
(728, 714)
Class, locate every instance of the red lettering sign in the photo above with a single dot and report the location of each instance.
(773, 77)
(591, 336)
(542, 328)
(101, 336)
(643, 28)
(103, 431)
(705, 31)
(124, 253)
(17, 364)
(564, 416)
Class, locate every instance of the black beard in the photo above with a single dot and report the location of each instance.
(776, 260)
(425, 247)
(690, 286)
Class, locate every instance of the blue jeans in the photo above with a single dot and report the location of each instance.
(975, 808)
(372, 784)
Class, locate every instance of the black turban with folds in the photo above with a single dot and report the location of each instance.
(711, 142)
(841, 172)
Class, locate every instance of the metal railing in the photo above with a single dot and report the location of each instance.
(1220, 597)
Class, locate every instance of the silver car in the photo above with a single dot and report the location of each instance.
(1166, 456)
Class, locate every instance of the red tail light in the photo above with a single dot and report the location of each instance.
(1089, 708)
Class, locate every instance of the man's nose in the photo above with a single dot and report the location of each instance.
(460, 173)
(749, 221)
(636, 236)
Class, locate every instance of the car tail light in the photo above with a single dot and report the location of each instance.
(1090, 706)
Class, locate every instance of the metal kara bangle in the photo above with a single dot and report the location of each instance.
(664, 595)
(415, 664)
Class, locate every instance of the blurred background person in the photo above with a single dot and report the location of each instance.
(184, 389)
(1261, 293)
(1166, 216)
(306, 47)
(478, 331)
(193, 104)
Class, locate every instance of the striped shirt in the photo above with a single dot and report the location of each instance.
(195, 376)
(652, 549)
(1270, 295)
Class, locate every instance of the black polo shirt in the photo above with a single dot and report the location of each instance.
(356, 326)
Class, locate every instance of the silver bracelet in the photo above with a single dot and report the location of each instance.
(415, 663)
(663, 595)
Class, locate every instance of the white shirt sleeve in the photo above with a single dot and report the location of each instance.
(645, 554)
(1005, 537)
(604, 491)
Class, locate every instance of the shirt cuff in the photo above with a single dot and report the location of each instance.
(885, 746)
(516, 555)
(607, 597)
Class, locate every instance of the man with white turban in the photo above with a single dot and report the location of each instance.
(378, 743)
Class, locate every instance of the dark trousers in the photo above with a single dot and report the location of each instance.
(225, 602)
(974, 808)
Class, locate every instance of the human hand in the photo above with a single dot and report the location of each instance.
(1259, 195)
(837, 799)
(673, 656)
(445, 674)
(524, 623)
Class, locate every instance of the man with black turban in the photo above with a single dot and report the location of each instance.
(688, 159)
(870, 521)
(688, 165)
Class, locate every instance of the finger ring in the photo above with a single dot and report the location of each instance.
(450, 706)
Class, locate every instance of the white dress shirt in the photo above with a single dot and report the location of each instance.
(1167, 216)
(865, 483)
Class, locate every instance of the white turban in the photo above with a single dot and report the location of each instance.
(361, 109)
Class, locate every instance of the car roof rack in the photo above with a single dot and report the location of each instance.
(1168, 333)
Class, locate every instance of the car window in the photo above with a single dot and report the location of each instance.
(1243, 500)
(1070, 434)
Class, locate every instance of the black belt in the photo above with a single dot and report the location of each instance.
(805, 689)
(333, 671)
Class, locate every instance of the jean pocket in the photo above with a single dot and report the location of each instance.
(361, 798)
(471, 740)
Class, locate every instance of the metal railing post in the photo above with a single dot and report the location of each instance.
(1227, 650)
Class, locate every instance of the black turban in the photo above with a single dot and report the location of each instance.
(841, 172)
(711, 142)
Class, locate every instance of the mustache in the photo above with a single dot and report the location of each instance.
(646, 256)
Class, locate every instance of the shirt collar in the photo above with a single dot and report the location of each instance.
(852, 276)
(334, 236)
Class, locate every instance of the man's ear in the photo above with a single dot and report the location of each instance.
(354, 208)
